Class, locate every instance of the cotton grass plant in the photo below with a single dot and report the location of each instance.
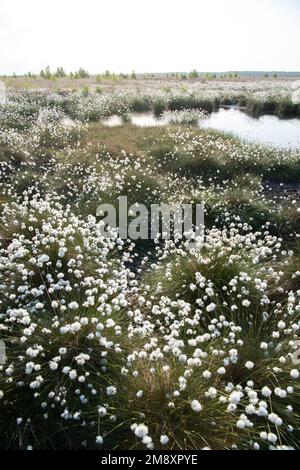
(114, 344)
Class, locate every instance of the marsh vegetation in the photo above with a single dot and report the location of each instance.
(110, 344)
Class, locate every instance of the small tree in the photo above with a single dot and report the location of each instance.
(60, 73)
(48, 73)
(193, 74)
(82, 73)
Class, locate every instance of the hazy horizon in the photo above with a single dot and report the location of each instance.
(155, 73)
(150, 37)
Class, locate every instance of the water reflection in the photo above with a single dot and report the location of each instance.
(265, 129)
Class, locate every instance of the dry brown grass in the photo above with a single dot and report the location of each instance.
(128, 138)
(65, 83)
(113, 84)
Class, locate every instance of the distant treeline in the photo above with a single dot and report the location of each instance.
(81, 73)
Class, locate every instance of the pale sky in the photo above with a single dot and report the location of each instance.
(149, 35)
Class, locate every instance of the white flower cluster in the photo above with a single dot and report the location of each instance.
(151, 345)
